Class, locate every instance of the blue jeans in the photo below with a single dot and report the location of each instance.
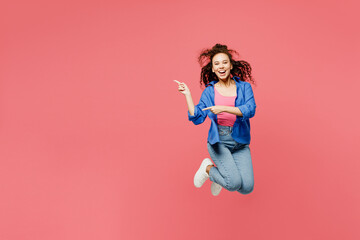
(234, 170)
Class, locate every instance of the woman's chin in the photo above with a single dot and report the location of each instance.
(223, 77)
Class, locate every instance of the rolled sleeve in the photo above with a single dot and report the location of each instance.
(199, 115)
(248, 109)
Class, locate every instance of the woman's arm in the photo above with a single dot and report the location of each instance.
(249, 108)
(183, 88)
(198, 116)
(190, 103)
(228, 109)
(232, 110)
(194, 113)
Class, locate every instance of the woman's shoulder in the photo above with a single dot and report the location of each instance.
(243, 85)
(206, 92)
(207, 88)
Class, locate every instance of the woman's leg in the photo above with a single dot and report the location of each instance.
(242, 158)
(226, 172)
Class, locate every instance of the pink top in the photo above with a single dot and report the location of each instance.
(224, 118)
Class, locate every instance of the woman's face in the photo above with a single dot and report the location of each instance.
(221, 66)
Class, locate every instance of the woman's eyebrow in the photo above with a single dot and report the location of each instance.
(223, 61)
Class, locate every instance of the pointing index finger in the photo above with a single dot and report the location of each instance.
(177, 82)
(206, 108)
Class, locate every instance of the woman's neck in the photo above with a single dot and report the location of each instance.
(225, 83)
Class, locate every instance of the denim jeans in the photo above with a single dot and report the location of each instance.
(234, 170)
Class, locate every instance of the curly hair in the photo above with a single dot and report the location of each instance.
(241, 69)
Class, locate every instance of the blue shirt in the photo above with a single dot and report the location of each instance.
(244, 101)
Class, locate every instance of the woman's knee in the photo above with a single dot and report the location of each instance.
(234, 183)
(247, 188)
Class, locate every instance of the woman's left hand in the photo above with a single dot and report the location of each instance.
(215, 109)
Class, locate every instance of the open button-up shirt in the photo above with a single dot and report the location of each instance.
(245, 101)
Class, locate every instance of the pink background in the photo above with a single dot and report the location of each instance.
(94, 137)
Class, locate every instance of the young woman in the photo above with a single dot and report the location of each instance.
(228, 101)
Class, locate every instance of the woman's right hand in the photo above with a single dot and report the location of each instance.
(183, 88)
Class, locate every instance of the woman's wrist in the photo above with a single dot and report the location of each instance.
(225, 108)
